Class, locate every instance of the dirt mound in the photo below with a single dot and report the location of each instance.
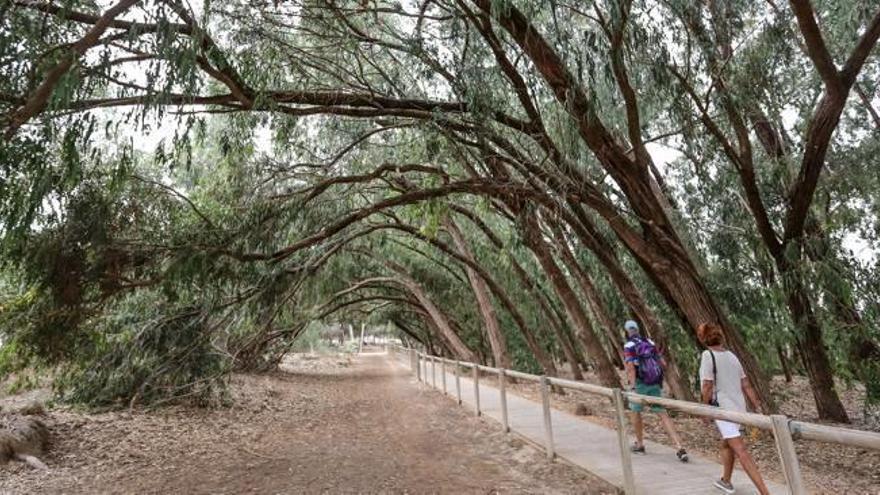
(24, 438)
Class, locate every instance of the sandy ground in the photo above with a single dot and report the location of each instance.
(319, 426)
(826, 468)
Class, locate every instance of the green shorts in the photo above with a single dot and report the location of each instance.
(653, 391)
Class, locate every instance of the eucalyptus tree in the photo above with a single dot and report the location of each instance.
(743, 102)
(548, 106)
(178, 50)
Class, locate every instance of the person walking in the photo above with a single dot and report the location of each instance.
(644, 370)
(724, 384)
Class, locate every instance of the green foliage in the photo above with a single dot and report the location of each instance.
(147, 276)
(137, 355)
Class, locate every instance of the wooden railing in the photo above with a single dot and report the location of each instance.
(785, 430)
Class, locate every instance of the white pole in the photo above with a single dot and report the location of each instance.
(502, 388)
(477, 389)
(457, 371)
(548, 425)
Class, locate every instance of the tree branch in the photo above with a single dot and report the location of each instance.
(38, 100)
(816, 48)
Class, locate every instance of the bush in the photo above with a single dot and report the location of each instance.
(148, 360)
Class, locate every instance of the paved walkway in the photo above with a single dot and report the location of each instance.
(594, 447)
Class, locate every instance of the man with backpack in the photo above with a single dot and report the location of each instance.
(644, 371)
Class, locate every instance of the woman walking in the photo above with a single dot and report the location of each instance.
(725, 385)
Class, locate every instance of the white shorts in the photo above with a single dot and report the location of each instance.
(727, 429)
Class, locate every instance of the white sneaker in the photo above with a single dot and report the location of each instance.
(725, 486)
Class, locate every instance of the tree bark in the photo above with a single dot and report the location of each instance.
(783, 361)
(497, 341)
(592, 239)
(437, 317)
(812, 345)
(540, 297)
(593, 345)
(556, 324)
(657, 247)
(597, 306)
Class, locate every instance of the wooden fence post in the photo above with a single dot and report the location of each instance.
(787, 455)
(477, 389)
(457, 381)
(502, 389)
(443, 374)
(629, 484)
(548, 425)
(419, 367)
(433, 371)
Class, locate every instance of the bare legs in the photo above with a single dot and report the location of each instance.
(670, 429)
(736, 447)
(727, 460)
(639, 428)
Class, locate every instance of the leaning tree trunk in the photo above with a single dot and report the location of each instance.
(683, 288)
(597, 306)
(656, 247)
(590, 237)
(497, 341)
(437, 317)
(593, 345)
(555, 323)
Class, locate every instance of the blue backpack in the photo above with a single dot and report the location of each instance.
(649, 371)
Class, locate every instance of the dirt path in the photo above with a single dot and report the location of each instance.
(363, 428)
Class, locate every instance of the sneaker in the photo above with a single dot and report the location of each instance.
(638, 449)
(682, 455)
(725, 486)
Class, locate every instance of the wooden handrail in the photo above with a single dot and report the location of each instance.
(799, 429)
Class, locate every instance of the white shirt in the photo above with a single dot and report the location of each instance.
(729, 371)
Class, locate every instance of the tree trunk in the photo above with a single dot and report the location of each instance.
(783, 361)
(571, 355)
(597, 306)
(497, 341)
(542, 357)
(590, 237)
(657, 246)
(411, 333)
(682, 285)
(593, 345)
(437, 317)
(864, 352)
(812, 346)
(540, 354)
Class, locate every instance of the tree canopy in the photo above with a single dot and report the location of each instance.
(503, 181)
